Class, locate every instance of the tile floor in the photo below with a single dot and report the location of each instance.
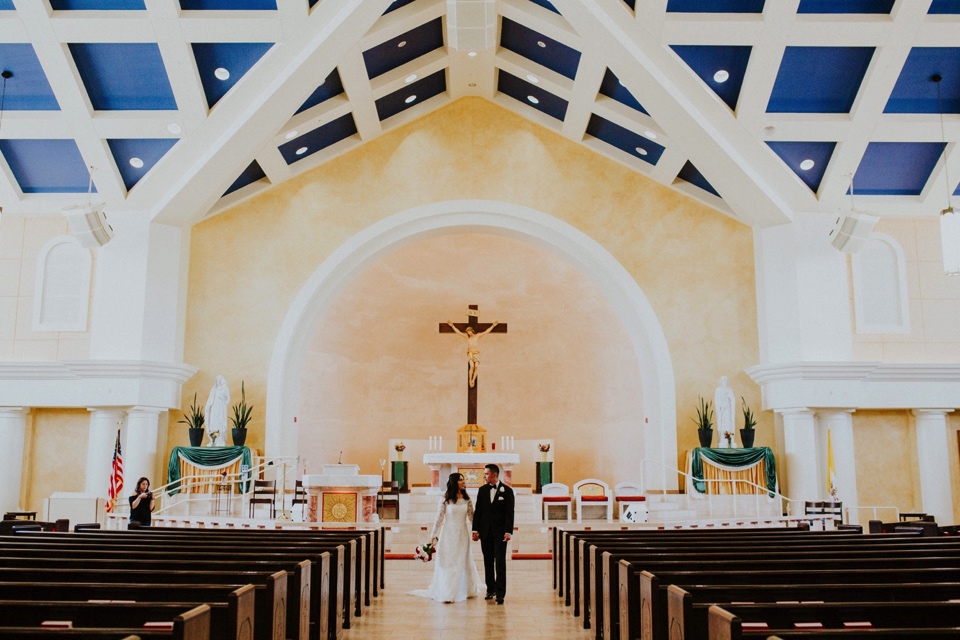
(532, 609)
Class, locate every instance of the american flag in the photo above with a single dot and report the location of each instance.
(116, 475)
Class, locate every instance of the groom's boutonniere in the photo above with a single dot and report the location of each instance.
(501, 488)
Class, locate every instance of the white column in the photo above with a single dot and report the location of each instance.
(840, 424)
(800, 449)
(13, 432)
(103, 436)
(933, 444)
(140, 445)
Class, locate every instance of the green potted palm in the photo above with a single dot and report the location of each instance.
(194, 420)
(748, 433)
(240, 418)
(704, 422)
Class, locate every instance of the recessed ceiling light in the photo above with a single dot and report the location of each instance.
(410, 99)
(136, 163)
(301, 151)
(410, 78)
(402, 43)
(533, 100)
(532, 78)
(650, 134)
(541, 44)
(291, 135)
(221, 73)
(641, 151)
(807, 164)
(721, 76)
(173, 127)
(472, 54)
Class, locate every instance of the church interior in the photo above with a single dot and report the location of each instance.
(650, 196)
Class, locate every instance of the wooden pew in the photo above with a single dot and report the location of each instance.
(189, 625)
(920, 618)
(687, 609)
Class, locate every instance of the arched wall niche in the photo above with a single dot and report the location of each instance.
(651, 435)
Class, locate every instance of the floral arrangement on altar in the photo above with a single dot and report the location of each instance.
(425, 551)
(544, 448)
(399, 447)
(213, 438)
(728, 436)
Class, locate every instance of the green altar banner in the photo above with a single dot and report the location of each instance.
(207, 457)
(734, 458)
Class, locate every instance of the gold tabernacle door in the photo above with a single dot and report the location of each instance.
(471, 438)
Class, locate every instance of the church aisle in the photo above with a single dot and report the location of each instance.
(531, 610)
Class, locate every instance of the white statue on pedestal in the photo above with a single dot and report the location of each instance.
(724, 403)
(216, 413)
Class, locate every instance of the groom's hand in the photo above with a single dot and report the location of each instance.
(476, 536)
(506, 537)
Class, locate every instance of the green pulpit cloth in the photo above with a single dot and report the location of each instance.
(207, 457)
(733, 458)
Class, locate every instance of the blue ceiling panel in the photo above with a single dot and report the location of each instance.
(915, 92)
(96, 5)
(612, 88)
(715, 6)
(624, 139)
(28, 89)
(631, 3)
(546, 4)
(691, 174)
(404, 48)
(318, 139)
(948, 7)
(227, 5)
(819, 79)
(251, 174)
(235, 57)
(396, 4)
(531, 95)
(896, 168)
(795, 153)
(709, 60)
(7, 5)
(147, 150)
(124, 76)
(845, 6)
(412, 94)
(534, 46)
(331, 87)
(30, 163)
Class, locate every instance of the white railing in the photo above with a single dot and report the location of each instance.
(873, 510)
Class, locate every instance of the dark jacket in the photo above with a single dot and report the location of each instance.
(494, 518)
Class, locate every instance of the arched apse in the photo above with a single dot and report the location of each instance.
(655, 428)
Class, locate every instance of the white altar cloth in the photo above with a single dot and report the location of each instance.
(443, 464)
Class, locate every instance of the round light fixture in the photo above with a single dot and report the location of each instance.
(291, 135)
(174, 128)
(136, 163)
(410, 99)
(410, 78)
(533, 100)
(301, 151)
(807, 164)
(541, 44)
(532, 78)
(650, 134)
(641, 151)
(401, 44)
(721, 76)
(221, 73)
(472, 54)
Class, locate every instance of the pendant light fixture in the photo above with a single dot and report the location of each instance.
(949, 222)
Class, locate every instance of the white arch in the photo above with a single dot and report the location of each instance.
(658, 428)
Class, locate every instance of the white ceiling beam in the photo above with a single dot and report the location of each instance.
(353, 74)
(586, 87)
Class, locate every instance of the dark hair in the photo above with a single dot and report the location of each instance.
(453, 489)
(492, 468)
(136, 487)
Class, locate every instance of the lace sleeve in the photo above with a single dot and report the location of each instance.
(469, 513)
(435, 533)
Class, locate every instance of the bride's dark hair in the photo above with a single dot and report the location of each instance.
(453, 490)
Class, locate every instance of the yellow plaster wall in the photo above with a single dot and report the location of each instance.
(694, 264)
(885, 446)
(55, 456)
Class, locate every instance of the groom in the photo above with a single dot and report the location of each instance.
(493, 526)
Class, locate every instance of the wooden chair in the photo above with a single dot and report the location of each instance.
(556, 494)
(629, 493)
(593, 493)
(389, 498)
(264, 492)
(819, 509)
(299, 497)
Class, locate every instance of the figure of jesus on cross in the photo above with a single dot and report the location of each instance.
(473, 349)
(472, 330)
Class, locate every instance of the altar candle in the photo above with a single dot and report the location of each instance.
(512, 444)
(439, 443)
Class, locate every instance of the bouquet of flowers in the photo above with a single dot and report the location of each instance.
(399, 447)
(544, 448)
(425, 551)
(728, 436)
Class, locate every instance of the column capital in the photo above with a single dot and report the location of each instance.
(824, 412)
(14, 411)
(795, 411)
(930, 412)
(145, 411)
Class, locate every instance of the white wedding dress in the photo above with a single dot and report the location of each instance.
(455, 576)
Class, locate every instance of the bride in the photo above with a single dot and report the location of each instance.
(455, 576)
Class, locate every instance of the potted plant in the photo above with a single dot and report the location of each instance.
(240, 418)
(704, 422)
(194, 421)
(749, 422)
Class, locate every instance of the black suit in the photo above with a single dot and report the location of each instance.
(493, 519)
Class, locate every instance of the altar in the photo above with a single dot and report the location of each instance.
(470, 465)
(341, 495)
(731, 471)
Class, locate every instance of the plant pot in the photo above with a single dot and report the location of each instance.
(706, 437)
(747, 436)
(196, 437)
(239, 436)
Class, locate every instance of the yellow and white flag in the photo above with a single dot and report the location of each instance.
(831, 471)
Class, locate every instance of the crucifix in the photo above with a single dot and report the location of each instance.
(472, 330)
